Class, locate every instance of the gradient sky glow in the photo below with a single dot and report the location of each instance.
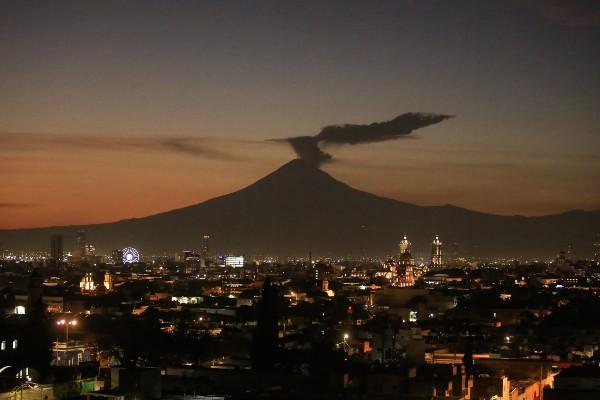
(110, 110)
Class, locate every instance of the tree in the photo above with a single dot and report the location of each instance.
(265, 344)
(140, 339)
(36, 348)
(468, 356)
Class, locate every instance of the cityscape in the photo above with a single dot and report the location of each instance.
(266, 199)
(199, 324)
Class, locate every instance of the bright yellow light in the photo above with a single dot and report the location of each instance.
(346, 336)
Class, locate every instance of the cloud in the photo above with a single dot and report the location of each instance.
(16, 205)
(378, 131)
(195, 147)
(308, 147)
(574, 13)
(199, 147)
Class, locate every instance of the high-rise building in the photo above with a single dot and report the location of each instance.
(204, 250)
(436, 252)
(117, 256)
(191, 261)
(56, 248)
(597, 249)
(80, 243)
(90, 249)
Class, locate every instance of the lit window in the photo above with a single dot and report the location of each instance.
(20, 310)
(3, 345)
(15, 343)
(412, 316)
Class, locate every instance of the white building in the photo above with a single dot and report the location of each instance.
(234, 261)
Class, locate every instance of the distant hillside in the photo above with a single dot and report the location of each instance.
(299, 208)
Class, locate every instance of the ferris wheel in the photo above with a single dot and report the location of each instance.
(130, 255)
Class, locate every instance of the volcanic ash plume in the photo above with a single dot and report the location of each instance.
(308, 147)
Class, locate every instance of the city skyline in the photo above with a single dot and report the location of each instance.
(300, 208)
(167, 106)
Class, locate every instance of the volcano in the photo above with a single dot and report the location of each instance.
(299, 208)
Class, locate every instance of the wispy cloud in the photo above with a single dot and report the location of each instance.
(206, 147)
(16, 205)
(411, 166)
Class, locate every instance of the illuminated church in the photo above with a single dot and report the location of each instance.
(87, 284)
(405, 271)
(401, 270)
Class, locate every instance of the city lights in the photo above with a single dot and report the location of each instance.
(66, 323)
(130, 255)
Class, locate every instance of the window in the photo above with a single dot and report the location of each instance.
(15, 343)
(412, 316)
(3, 345)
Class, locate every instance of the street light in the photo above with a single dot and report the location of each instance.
(344, 343)
(66, 323)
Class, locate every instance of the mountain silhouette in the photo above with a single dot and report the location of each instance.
(299, 208)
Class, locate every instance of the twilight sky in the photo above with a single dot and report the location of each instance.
(110, 110)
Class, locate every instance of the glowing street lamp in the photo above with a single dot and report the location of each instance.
(66, 323)
(344, 343)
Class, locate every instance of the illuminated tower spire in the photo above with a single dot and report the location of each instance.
(405, 246)
(405, 274)
(436, 252)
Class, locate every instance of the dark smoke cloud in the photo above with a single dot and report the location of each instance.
(307, 147)
(378, 131)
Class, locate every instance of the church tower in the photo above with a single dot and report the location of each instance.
(436, 252)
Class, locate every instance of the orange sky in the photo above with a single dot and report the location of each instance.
(56, 180)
